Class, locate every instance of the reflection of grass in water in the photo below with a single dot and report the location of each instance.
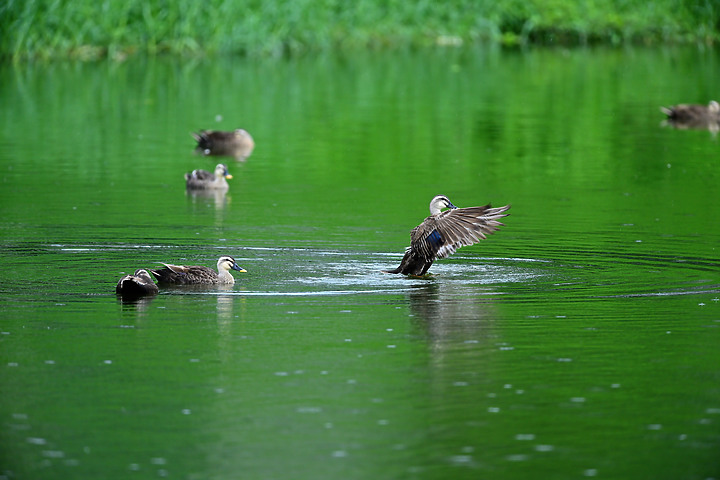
(88, 29)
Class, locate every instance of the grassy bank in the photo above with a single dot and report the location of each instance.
(90, 29)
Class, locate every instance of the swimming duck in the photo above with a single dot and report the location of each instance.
(440, 234)
(198, 275)
(690, 115)
(238, 143)
(136, 285)
(204, 180)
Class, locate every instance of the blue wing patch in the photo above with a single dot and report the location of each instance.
(435, 239)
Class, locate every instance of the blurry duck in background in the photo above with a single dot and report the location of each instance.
(139, 284)
(442, 233)
(198, 275)
(237, 144)
(693, 116)
(204, 180)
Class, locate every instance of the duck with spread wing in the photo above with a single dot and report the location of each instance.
(443, 232)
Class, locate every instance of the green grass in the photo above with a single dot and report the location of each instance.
(89, 29)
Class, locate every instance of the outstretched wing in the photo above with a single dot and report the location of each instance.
(442, 234)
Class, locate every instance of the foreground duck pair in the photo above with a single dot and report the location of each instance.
(438, 236)
(140, 283)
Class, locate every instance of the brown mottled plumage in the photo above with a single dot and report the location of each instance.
(204, 180)
(198, 275)
(442, 233)
(693, 116)
(237, 143)
(136, 285)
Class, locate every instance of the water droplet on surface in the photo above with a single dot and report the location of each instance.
(53, 453)
(309, 410)
(461, 459)
(517, 458)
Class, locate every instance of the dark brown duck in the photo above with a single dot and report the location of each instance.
(692, 115)
(237, 143)
(197, 274)
(204, 180)
(442, 233)
(136, 285)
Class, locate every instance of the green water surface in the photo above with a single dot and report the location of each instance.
(581, 340)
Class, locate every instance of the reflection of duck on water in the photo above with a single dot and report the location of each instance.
(442, 233)
(218, 198)
(693, 116)
(450, 313)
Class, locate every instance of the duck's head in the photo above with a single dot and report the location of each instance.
(440, 202)
(226, 263)
(143, 275)
(222, 171)
(714, 107)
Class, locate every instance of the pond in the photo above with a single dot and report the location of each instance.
(580, 340)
